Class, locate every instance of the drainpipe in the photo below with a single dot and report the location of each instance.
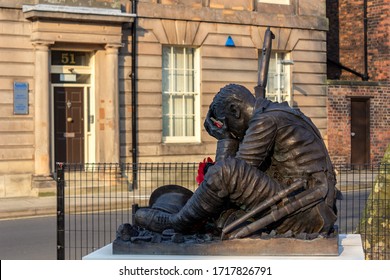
(134, 97)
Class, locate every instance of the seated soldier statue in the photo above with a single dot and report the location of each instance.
(271, 164)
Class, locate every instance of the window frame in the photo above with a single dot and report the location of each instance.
(288, 80)
(196, 94)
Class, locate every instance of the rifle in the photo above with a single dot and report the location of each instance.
(264, 64)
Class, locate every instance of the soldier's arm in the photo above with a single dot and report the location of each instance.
(226, 148)
(226, 145)
(259, 140)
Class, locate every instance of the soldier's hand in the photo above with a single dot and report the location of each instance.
(216, 128)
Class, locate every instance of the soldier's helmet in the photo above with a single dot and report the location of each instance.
(169, 198)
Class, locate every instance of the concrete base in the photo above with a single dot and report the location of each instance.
(350, 248)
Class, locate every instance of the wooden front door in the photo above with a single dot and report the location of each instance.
(69, 124)
(360, 131)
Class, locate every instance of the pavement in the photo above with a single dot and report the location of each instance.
(23, 207)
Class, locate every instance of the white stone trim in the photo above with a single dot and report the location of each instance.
(75, 10)
(279, 2)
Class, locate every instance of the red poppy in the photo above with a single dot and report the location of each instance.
(202, 168)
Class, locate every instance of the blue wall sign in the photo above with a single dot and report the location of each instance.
(20, 98)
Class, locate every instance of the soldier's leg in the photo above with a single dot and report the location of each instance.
(228, 180)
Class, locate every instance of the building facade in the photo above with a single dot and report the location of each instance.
(77, 89)
(359, 79)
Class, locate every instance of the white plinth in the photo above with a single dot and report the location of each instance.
(350, 248)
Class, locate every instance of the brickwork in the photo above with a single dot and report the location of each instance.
(378, 40)
(346, 38)
(351, 37)
(339, 120)
(345, 45)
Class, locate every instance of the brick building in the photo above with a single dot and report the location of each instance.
(359, 77)
(75, 88)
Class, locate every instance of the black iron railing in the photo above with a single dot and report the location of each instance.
(94, 199)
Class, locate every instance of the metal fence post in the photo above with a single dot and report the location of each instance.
(60, 212)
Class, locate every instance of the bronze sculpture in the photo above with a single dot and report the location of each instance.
(272, 168)
(272, 175)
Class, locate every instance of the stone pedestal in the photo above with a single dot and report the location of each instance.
(236, 247)
(349, 248)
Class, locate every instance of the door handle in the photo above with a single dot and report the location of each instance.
(69, 120)
(353, 134)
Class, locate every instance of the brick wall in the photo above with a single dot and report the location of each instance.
(378, 40)
(346, 38)
(345, 44)
(339, 118)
